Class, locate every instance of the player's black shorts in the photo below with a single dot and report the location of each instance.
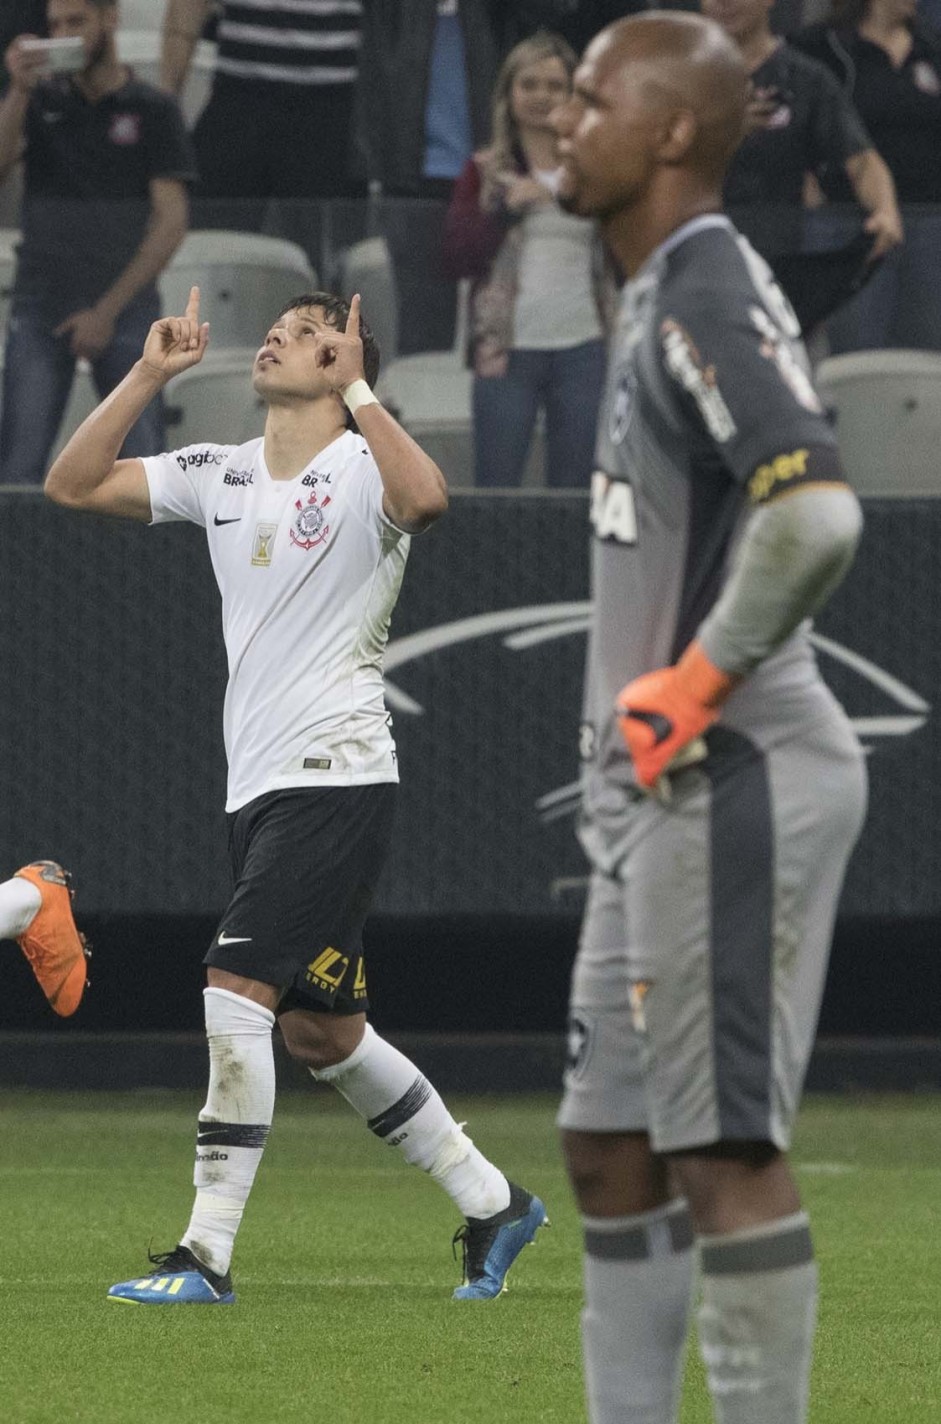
(305, 864)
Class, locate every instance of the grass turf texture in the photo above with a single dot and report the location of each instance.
(344, 1271)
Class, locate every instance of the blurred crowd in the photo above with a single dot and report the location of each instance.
(420, 130)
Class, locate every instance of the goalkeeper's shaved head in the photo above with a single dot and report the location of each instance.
(657, 113)
(684, 63)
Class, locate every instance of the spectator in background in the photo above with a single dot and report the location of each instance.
(889, 64)
(17, 17)
(799, 121)
(278, 120)
(426, 73)
(106, 163)
(538, 297)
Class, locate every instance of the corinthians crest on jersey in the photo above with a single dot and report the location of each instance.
(310, 525)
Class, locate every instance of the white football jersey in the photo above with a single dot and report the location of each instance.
(309, 570)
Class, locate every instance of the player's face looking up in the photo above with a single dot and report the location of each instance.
(285, 365)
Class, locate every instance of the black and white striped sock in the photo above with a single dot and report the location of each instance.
(234, 1123)
(403, 1109)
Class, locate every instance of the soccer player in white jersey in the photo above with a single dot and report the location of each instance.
(308, 531)
(723, 785)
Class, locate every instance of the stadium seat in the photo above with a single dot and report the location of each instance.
(888, 419)
(82, 401)
(9, 237)
(214, 401)
(366, 267)
(244, 277)
(430, 393)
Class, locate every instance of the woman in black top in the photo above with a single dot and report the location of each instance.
(890, 64)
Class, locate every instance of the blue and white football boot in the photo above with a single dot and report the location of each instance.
(178, 1279)
(491, 1244)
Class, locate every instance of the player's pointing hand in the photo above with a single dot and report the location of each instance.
(339, 354)
(174, 343)
(352, 321)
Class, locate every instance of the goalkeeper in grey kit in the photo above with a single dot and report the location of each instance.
(723, 786)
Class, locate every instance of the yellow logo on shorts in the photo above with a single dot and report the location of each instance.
(638, 992)
(328, 969)
(359, 983)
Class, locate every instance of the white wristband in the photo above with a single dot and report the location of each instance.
(356, 394)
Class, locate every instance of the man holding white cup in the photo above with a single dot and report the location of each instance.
(106, 167)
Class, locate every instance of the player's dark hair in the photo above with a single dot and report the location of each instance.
(336, 314)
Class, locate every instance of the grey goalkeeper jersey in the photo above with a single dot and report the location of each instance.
(708, 411)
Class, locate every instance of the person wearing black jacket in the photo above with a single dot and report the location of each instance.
(888, 61)
(426, 72)
(107, 167)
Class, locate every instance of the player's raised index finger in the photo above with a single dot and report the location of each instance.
(192, 306)
(352, 321)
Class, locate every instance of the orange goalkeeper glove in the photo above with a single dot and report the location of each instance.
(663, 714)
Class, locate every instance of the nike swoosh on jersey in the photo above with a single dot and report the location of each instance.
(217, 520)
(234, 939)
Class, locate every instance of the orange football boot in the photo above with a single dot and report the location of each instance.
(54, 947)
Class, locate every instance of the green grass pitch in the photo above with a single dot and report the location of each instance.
(344, 1272)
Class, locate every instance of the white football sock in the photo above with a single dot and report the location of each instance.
(638, 1283)
(233, 1125)
(19, 905)
(401, 1107)
(756, 1321)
